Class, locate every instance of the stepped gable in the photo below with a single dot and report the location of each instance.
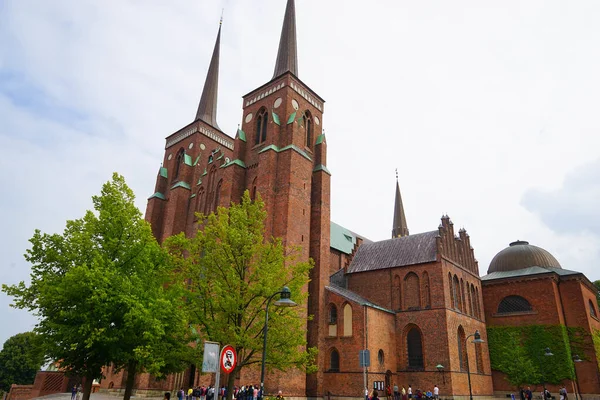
(408, 250)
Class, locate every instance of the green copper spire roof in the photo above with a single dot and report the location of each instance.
(207, 109)
(287, 57)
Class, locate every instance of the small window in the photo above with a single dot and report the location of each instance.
(332, 315)
(261, 127)
(308, 127)
(514, 304)
(334, 361)
(414, 345)
(380, 357)
(593, 309)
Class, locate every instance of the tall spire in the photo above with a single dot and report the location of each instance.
(400, 229)
(287, 58)
(207, 109)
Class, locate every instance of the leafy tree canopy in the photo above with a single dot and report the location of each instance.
(20, 359)
(104, 292)
(232, 270)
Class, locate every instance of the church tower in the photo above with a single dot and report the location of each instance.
(279, 152)
(399, 228)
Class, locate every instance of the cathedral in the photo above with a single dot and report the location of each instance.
(416, 301)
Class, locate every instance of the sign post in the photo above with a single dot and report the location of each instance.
(210, 361)
(364, 357)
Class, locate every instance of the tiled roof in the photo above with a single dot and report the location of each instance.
(347, 294)
(397, 252)
(527, 272)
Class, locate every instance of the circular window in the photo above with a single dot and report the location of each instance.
(248, 117)
(202, 146)
(380, 357)
(295, 105)
(317, 121)
(277, 103)
(191, 145)
(170, 156)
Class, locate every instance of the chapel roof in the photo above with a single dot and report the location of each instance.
(397, 252)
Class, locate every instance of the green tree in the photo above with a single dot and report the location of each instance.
(105, 292)
(20, 359)
(232, 270)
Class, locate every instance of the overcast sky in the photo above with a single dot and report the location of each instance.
(489, 110)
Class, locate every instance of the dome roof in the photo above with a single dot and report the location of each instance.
(520, 255)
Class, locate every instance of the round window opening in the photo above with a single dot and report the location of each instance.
(380, 357)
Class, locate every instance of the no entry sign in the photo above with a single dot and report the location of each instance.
(228, 359)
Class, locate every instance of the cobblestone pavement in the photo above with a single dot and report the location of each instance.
(93, 396)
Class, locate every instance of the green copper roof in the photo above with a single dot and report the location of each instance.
(181, 184)
(276, 118)
(320, 139)
(199, 182)
(300, 120)
(291, 118)
(323, 168)
(197, 159)
(205, 172)
(237, 161)
(157, 195)
(242, 135)
(192, 196)
(341, 238)
(288, 147)
(527, 272)
(187, 159)
(163, 172)
(221, 156)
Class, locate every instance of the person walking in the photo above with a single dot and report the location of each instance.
(409, 391)
(375, 395)
(74, 392)
(404, 396)
(396, 393)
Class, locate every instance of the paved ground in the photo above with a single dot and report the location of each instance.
(93, 396)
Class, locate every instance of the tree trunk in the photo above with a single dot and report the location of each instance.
(87, 387)
(131, 372)
(230, 382)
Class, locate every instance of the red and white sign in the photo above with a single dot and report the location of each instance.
(228, 359)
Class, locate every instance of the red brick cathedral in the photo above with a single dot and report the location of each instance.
(414, 301)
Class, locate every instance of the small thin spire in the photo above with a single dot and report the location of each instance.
(207, 109)
(399, 229)
(287, 57)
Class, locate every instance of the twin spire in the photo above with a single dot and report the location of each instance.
(287, 61)
(400, 228)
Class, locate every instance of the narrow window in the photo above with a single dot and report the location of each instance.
(334, 361)
(414, 344)
(592, 310)
(462, 349)
(265, 119)
(347, 320)
(308, 127)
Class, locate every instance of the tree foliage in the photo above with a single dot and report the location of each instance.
(20, 359)
(232, 270)
(104, 292)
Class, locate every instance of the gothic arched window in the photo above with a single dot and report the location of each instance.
(261, 126)
(414, 345)
(412, 292)
(462, 348)
(332, 314)
(456, 292)
(309, 128)
(347, 320)
(178, 161)
(334, 361)
(426, 292)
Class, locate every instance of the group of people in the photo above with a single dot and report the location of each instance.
(526, 394)
(76, 392)
(396, 394)
(249, 392)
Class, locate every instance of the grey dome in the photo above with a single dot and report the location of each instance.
(520, 255)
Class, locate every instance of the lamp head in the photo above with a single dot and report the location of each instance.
(440, 367)
(478, 338)
(284, 300)
(576, 358)
(547, 352)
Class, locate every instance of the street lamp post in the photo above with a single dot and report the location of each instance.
(440, 369)
(284, 301)
(547, 353)
(576, 359)
(477, 339)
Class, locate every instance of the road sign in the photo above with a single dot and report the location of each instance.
(364, 358)
(210, 360)
(228, 359)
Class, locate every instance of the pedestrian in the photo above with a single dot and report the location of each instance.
(388, 392)
(189, 394)
(409, 392)
(280, 396)
(563, 393)
(396, 392)
(375, 395)
(528, 394)
(180, 394)
(79, 392)
(74, 392)
(436, 392)
(404, 396)
(366, 394)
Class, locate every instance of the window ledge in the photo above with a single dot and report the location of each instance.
(595, 317)
(514, 314)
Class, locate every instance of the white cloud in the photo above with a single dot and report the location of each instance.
(475, 103)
